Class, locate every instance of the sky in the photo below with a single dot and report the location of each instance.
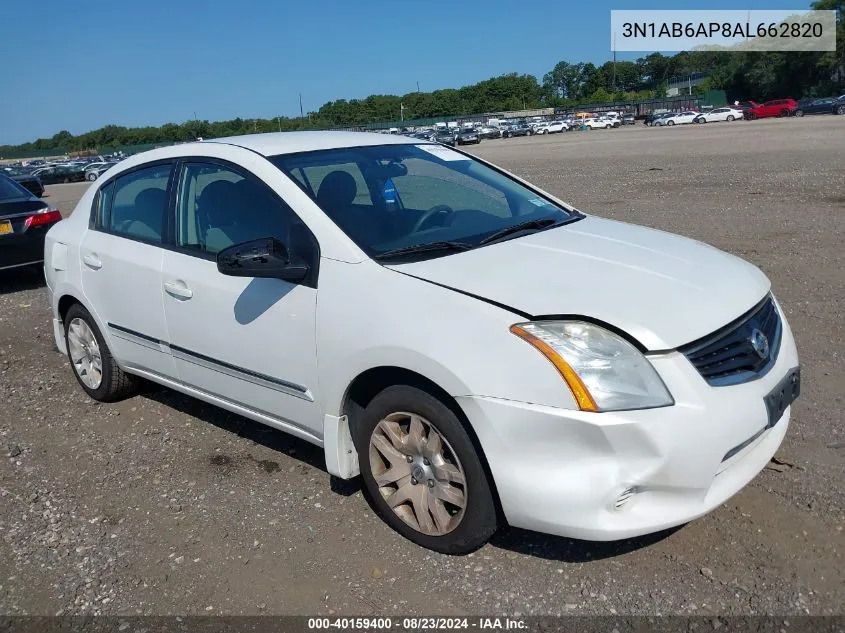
(77, 66)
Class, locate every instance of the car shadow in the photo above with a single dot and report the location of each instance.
(20, 279)
(513, 539)
(568, 550)
(257, 432)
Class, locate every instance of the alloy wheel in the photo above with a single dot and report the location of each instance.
(85, 353)
(418, 473)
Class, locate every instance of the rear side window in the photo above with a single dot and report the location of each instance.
(134, 205)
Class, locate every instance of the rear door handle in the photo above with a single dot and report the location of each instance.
(178, 289)
(92, 261)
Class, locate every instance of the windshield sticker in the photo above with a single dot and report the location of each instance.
(443, 153)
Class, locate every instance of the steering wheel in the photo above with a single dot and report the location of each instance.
(439, 208)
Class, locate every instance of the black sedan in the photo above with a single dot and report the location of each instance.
(468, 137)
(24, 221)
(60, 174)
(827, 105)
(519, 129)
(30, 182)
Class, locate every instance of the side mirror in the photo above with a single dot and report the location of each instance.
(265, 257)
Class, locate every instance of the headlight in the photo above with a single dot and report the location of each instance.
(604, 371)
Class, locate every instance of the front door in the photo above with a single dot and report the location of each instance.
(250, 341)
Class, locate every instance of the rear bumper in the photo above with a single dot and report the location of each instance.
(564, 472)
(23, 249)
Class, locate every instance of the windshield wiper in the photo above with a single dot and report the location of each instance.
(424, 248)
(528, 225)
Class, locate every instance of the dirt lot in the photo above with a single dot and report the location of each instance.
(163, 505)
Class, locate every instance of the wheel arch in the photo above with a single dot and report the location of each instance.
(370, 382)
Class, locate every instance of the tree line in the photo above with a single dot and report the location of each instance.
(742, 75)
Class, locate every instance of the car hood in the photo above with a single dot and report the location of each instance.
(662, 289)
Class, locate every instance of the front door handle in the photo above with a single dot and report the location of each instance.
(178, 289)
(92, 261)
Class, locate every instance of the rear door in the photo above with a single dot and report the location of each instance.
(121, 267)
(249, 341)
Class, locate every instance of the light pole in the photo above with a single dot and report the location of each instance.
(401, 111)
(279, 119)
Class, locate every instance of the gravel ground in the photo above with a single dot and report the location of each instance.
(164, 505)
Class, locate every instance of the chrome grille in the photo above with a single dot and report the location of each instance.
(731, 355)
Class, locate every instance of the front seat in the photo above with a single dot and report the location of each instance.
(218, 212)
(336, 196)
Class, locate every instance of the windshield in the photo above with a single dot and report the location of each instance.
(391, 197)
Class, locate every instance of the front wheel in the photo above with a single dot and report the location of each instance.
(670, 122)
(840, 109)
(799, 113)
(91, 177)
(422, 472)
(93, 365)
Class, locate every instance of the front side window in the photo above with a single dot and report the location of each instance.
(219, 207)
(138, 203)
(417, 195)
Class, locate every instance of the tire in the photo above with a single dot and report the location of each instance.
(670, 122)
(840, 109)
(465, 530)
(65, 180)
(799, 113)
(784, 113)
(115, 384)
(91, 177)
(730, 117)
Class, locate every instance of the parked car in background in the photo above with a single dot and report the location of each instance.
(24, 221)
(445, 137)
(594, 123)
(517, 129)
(638, 388)
(652, 118)
(825, 105)
(628, 119)
(468, 136)
(774, 108)
(719, 114)
(60, 174)
(551, 127)
(30, 182)
(489, 132)
(94, 172)
(679, 118)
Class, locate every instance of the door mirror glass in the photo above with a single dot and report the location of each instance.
(265, 257)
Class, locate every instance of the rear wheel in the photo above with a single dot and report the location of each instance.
(784, 112)
(422, 472)
(730, 117)
(840, 109)
(92, 177)
(799, 113)
(670, 122)
(93, 365)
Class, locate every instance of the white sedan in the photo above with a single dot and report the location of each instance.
(719, 114)
(680, 118)
(461, 347)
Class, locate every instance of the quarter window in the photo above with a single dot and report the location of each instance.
(220, 207)
(136, 204)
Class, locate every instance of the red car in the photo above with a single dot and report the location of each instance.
(777, 107)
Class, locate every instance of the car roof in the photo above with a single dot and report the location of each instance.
(276, 143)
